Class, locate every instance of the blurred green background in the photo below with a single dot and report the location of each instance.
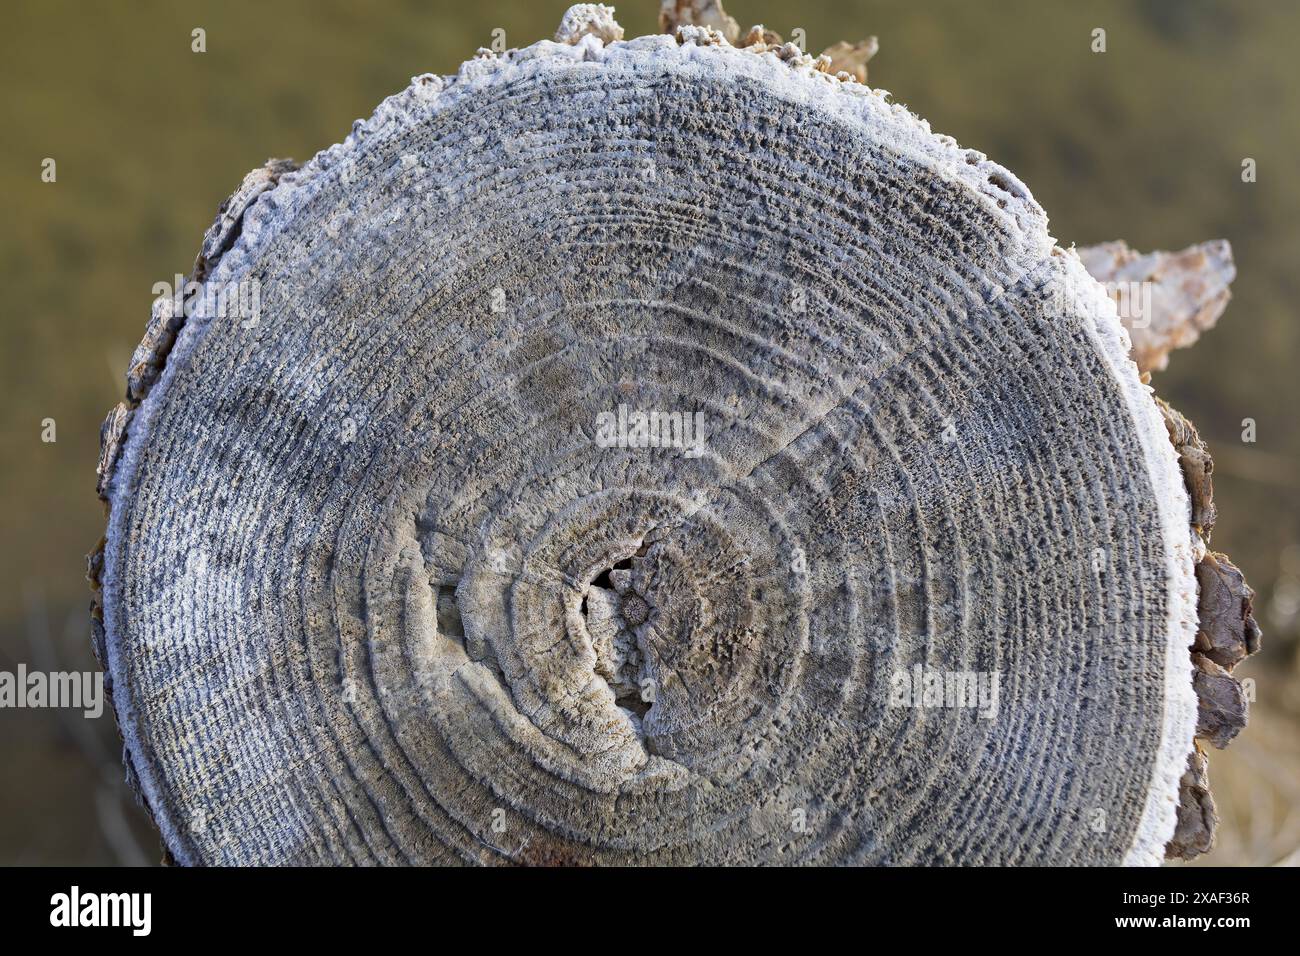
(1144, 142)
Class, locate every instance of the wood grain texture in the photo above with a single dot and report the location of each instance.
(374, 592)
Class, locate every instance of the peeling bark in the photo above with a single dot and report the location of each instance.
(589, 19)
(852, 58)
(1187, 293)
(1197, 817)
(698, 13)
(761, 37)
(1221, 703)
(1197, 466)
(1227, 630)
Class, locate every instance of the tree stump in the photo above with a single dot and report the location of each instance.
(650, 451)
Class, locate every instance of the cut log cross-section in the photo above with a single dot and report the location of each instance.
(649, 451)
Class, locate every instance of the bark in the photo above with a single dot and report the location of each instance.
(698, 13)
(1167, 298)
(1197, 816)
(1221, 702)
(852, 58)
(1197, 465)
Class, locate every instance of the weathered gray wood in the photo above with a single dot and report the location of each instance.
(374, 592)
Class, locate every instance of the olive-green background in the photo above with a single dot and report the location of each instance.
(1143, 142)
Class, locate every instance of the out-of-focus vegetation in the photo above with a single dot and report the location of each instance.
(1143, 142)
